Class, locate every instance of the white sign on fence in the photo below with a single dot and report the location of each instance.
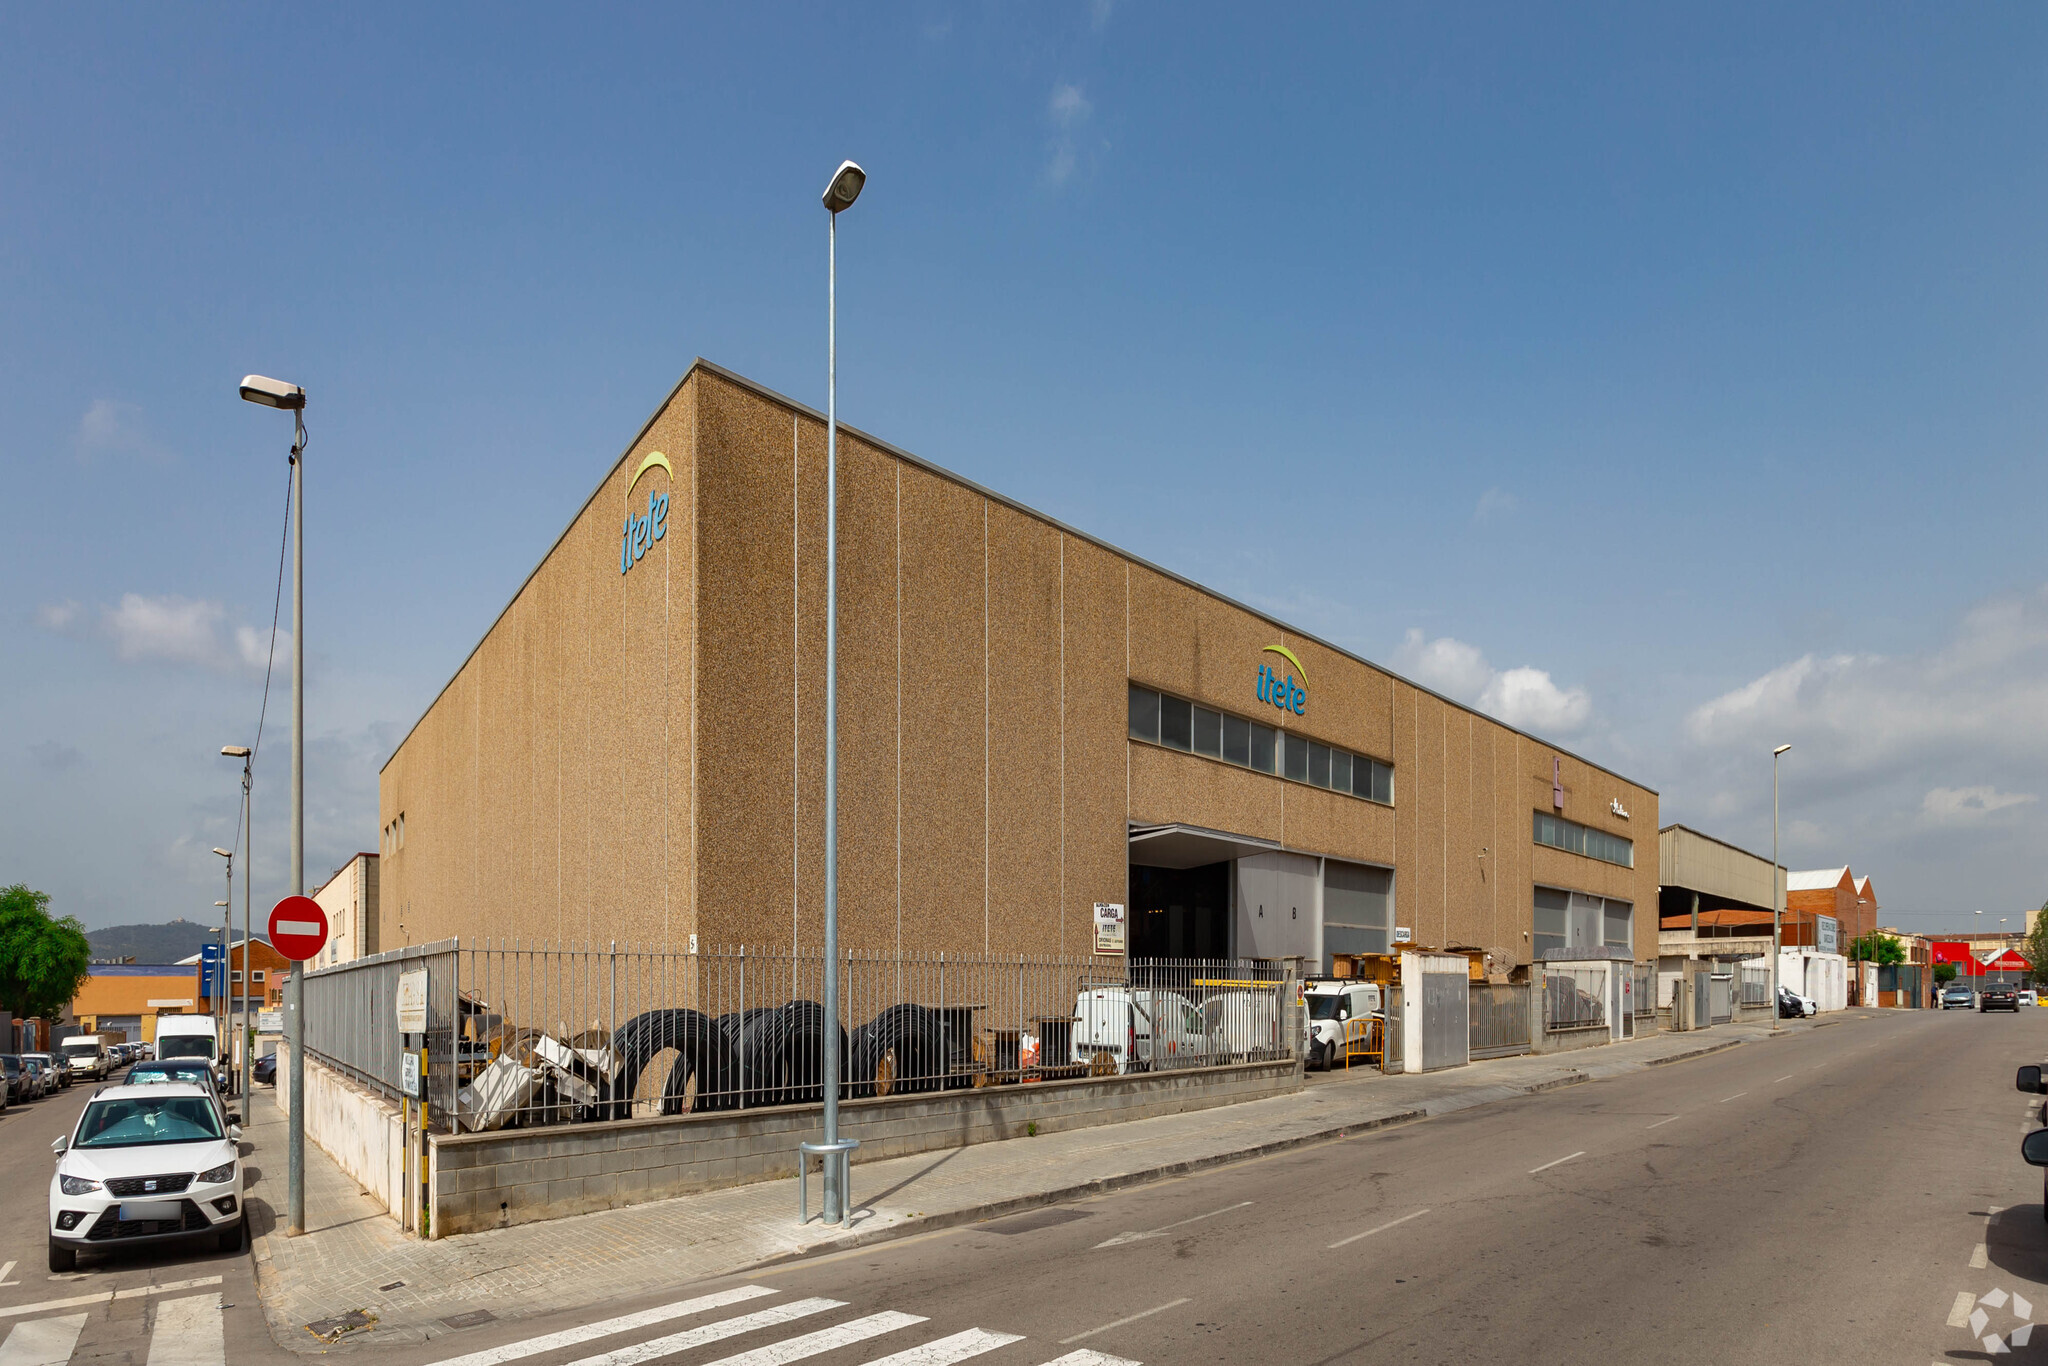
(270, 1022)
(409, 1073)
(1109, 927)
(412, 1002)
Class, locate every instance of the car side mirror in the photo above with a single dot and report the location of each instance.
(234, 1117)
(2029, 1080)
(59, 1144)
(234, 1131)
(2034, 1148)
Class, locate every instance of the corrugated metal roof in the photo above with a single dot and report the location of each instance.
(1815, 879)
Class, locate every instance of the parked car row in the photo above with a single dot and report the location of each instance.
(31, 1076)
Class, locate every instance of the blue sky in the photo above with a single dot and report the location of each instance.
(1665, 380)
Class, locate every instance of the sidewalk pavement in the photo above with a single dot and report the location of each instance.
(352, 1256)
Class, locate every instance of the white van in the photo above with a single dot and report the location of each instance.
(189, 1036)
(1138, 1029)
(1340, 1015)
(87, 1056)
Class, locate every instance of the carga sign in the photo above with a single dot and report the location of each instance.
(650, 526)
(1283, 693)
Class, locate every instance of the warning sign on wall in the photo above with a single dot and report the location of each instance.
(1109, 927)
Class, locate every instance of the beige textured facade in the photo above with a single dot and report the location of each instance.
(638, 756)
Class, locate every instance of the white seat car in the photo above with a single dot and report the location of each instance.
(146, 1165)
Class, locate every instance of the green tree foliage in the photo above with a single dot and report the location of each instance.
(2035, 947)
(1881, 949)
(43, 959)
(1944, 973)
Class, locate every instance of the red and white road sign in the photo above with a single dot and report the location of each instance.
(298, 928)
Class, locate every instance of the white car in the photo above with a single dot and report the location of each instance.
(146, 1165)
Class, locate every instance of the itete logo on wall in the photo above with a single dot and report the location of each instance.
(1283, 693)
(650, 526)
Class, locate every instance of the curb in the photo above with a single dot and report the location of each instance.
(1568, 1079)
(1695, 1053)
(995, 1209)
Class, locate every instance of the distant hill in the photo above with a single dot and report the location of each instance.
(161, 943)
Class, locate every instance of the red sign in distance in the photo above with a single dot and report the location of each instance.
(298, 928)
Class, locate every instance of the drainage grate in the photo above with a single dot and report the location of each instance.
(328, 1330)
(475, 1318)
(1037, 1219)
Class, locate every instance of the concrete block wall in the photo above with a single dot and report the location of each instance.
(494, 1180)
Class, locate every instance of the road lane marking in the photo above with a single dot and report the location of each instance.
(1666, 1120)
(1959, 1312)
(42, 1342)
(5, 1269)
(188, 1333)
(1737, 1096)
(1787, 1077)
(1123, 1238)
(1548, 1165)
(1084, 1357)
(625, 1323)
(710, 1332)
(1345, 1242)
(17, 1310)
(1129, 1318)
(946, 1351)
(824, 1340)
(1979, 1257)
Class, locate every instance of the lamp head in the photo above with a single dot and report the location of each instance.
(220, 903)
(223, 852)
(275, 393)
(1779, 750)
(845, 186)
(235, 751)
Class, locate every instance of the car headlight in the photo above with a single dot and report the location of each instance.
(77, 1185)
(213, 1176)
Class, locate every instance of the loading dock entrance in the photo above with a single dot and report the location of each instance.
(1180, 912)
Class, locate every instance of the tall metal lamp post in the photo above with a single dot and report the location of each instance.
(1777, 892)
(276, 393)
(840, 192)
(243, 1041)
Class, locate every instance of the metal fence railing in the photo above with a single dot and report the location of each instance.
(1573, 999)
(352, 1020)
(1645, 994)
(1754, 979)
(1499, 1019)
(522, 1034)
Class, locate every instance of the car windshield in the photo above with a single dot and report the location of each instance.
(137, 1121)
(186, 1046)
(145, 1073)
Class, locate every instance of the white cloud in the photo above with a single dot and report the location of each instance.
(1098, 14)
(1524, 697)
(58, 616)
(1968, 805)
(1068, 110)
(113, 428)
(1496, 502)
(170, 629)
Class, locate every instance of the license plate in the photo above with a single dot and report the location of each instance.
(133, 1211)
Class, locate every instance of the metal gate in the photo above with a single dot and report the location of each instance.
(1498, 1016)
(1702, 996)
(1446, 1014)
(1722, 985)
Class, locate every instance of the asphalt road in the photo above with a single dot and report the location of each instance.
(1848, 1193)
(1823, 1197)
(120, 1295)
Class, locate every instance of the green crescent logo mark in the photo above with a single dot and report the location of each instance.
(1288, 655)
(657, 458)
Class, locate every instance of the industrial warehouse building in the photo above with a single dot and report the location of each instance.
(1046, 745)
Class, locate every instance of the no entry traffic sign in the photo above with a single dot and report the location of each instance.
(298, 928)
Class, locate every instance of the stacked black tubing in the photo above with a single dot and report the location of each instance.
(704, 1053)
(915, 1034)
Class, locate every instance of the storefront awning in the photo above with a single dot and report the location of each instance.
(1191, 846)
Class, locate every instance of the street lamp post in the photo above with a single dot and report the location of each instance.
(1777, 893)
(224, 1005)
(242, 1039)
(276, 393)
(840, 192)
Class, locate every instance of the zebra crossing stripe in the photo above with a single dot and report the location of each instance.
(710, 1332)
(590, 1332)
(824, 1340)
(946, 1351)
(1084, 1357)
(42, 1342)
(17, 1310)
(188, 1333)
